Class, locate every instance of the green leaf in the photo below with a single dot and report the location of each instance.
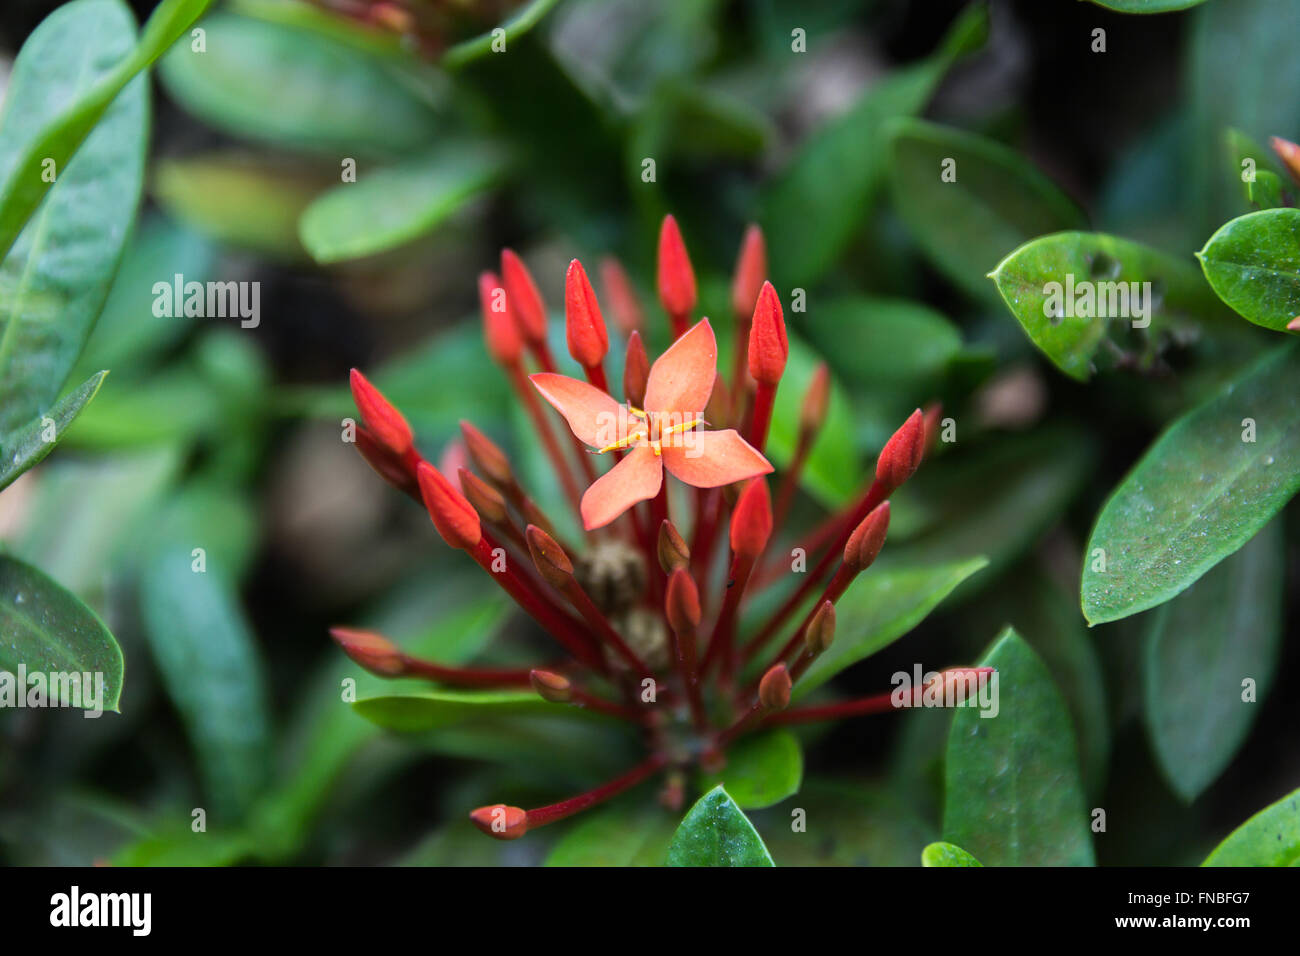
(1199, 648)
(295, 88)
(880, 607)
(49, 631)
(761, 770)
(1147, 6)
(65, 80)
(1199, 493)
(390, 207)
(847, 823)
(1178, 299)
(615, 836)
(435, 709)
(717, 833)
(243, 201)
(820, 200)
(26, 447)
(210, 667)
(882, 343)
(947, 854)
(831, 473)
(1263, 182)
(57, 273)
(1253, 264)
(519, 23)
(1012, 795)
(1269, 838)
(997, 202)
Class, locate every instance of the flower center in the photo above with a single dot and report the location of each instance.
(652, 428)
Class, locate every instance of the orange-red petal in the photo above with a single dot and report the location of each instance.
(709, 459)
(636, 478)
(681, 380)
(593, 416)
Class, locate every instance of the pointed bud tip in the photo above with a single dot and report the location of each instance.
(386, 424)
(816, 400)
(636, 370)
(769, 348)
(525, 301)
(774, 688)
(486, 455)
(372, 651)
(867, 539)
(674, 553)
(551, 561)
(482, 497)
(1289, 153)
(902, 454)
(551, 686)
(500, 821)
(676, 277)
(821, 629)
(500, 332)
(751, 273)
(584, 326)
(682, 602)
(751, 520)
(452, 514)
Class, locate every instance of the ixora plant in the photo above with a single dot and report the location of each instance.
(650, 625)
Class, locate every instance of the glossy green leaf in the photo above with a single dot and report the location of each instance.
(65, 80)
(296, 88)
(1012, 795)
(210, 666)
(947, 854)
(48, 631)
(24, 448)
(997, 202)
(389, 207)
(1253, 263)
(245, 202)
(58, 271)
(518, 24)
(881, 343)
(1199, 493)
(1068, 329)
(820, 200)
(615, 835)
(1264, 185)
(846, 823)
(880, 607)
(1147, 6)
(1269, 838)
(832, 473)
(716, 832)
(761, 770)
(435, 709)
(1199, 649)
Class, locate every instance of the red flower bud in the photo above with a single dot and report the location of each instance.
(636, 370)
(751, 273)
(867, 539)
(482, 497)
(774, 688)
(551, 686)
(901, 455)
(1289, 153)
(821, 629)
(486, 455)
(584, 326)
(372, 651)
(682, 602)
(388, 466)
(525, 301)
(816, 400)
(500, 333)
(751, 520)
(768, 346)
(453, 516)
(622, 297)
(501, 821)
(386, 424)
(673, 551)
(551, 561)
(676, 277)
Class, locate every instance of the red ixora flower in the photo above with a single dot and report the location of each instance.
(631, 613)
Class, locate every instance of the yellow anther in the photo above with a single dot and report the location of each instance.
(622, 443)
(682, 427)
(636, 412)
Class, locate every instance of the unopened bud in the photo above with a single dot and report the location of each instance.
(452, 514)
(674, 553)
(902, 454)
(769, 347)
(486, 455)
(682, 602)
(636, 370)
(525, 301)
(816, 400)
(551, 561)
(372, 651)
(551, 686)
(774, 688)
(483, 498)
(676, 277)
(385, 423)
(751, 273)
(820, 634)
(751, 519)
(501, 821)
(584, 326)
(867, 539)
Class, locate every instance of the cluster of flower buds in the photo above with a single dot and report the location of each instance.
(633, 602)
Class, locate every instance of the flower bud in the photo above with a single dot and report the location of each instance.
(500, 332)
(682, 602)
(372, 651)
(486, 455)
(584, 326)
(816, 400)
(453, 516)
(774, 688)
(551, 686)
(636, 370)
(867, 539)
(821, 630)
(501, 821)
(676, 277)
(751, 273)
(551, 561)
(482, 497)
(901, 455)
(751, 520)
(674, 554)
(386, 424)
(525, 301)
(768, 345)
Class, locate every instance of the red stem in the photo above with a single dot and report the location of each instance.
(600, 624)
(467, 676)
(724, 631)
(567, 808)
(764, 402)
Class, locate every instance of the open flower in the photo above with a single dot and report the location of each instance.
(667, 433)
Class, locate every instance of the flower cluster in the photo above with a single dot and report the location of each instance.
(649, 622)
